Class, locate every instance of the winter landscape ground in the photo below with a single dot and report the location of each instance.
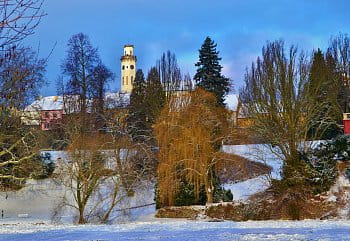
(140, 224)
(182, 230)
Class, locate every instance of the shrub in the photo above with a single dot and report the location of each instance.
(186, 195)
(323, 160)
(47, 166)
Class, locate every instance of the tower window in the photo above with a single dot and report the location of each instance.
(126, 80)
(127, 66)
(132, 79)
(132, 66)
(123, 80)
(123, 67)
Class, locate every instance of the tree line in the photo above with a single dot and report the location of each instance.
(172, 128)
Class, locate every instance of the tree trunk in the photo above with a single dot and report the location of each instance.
(81, 216)
(210, 191)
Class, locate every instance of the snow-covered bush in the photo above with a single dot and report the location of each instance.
(47, 166)
(323, 160)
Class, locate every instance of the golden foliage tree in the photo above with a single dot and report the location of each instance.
(189, 131)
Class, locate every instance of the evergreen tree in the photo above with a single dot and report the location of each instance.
(154, 96)
(324, 83)
(208, 74)
(137, 109)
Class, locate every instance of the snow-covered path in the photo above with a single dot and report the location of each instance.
(183, 230)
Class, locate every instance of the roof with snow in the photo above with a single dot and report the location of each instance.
(231, 101)
(112, 100)
(46, 103)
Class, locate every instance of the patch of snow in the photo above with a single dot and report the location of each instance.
(256, 152)
(241, 191)
(332, 198)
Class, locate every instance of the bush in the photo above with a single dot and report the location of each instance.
(186, 195)
(323, 160)
(347, 173)
(47, 166)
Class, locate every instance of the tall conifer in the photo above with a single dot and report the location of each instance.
(137, 109)
(208, 74)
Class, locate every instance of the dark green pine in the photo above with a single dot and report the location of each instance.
(208, 75)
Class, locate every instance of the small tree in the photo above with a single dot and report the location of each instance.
(101, 170)
(188, 132)
(208, 75)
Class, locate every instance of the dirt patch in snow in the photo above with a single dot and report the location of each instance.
(233, 168)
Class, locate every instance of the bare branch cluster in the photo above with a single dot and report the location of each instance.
(19, 19)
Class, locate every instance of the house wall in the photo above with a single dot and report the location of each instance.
(50, 118)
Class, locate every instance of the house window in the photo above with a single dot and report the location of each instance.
(54, 115)
(46, 114)
(47, 125)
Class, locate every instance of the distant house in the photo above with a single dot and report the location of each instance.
(46, 113)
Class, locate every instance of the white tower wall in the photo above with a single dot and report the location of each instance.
(128, 69)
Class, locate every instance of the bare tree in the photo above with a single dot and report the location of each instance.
(21, 72)
(102, 169)
(86, 76)
(170, 75)
(282, 103)
(339, 52)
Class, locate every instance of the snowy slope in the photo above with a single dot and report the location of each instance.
(259, 153)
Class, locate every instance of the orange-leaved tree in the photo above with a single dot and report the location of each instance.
(189, 132)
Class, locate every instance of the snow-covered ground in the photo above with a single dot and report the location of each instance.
(182, 230)
(259, 153)
(38, 198)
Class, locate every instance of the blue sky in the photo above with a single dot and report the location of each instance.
(239, 27)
